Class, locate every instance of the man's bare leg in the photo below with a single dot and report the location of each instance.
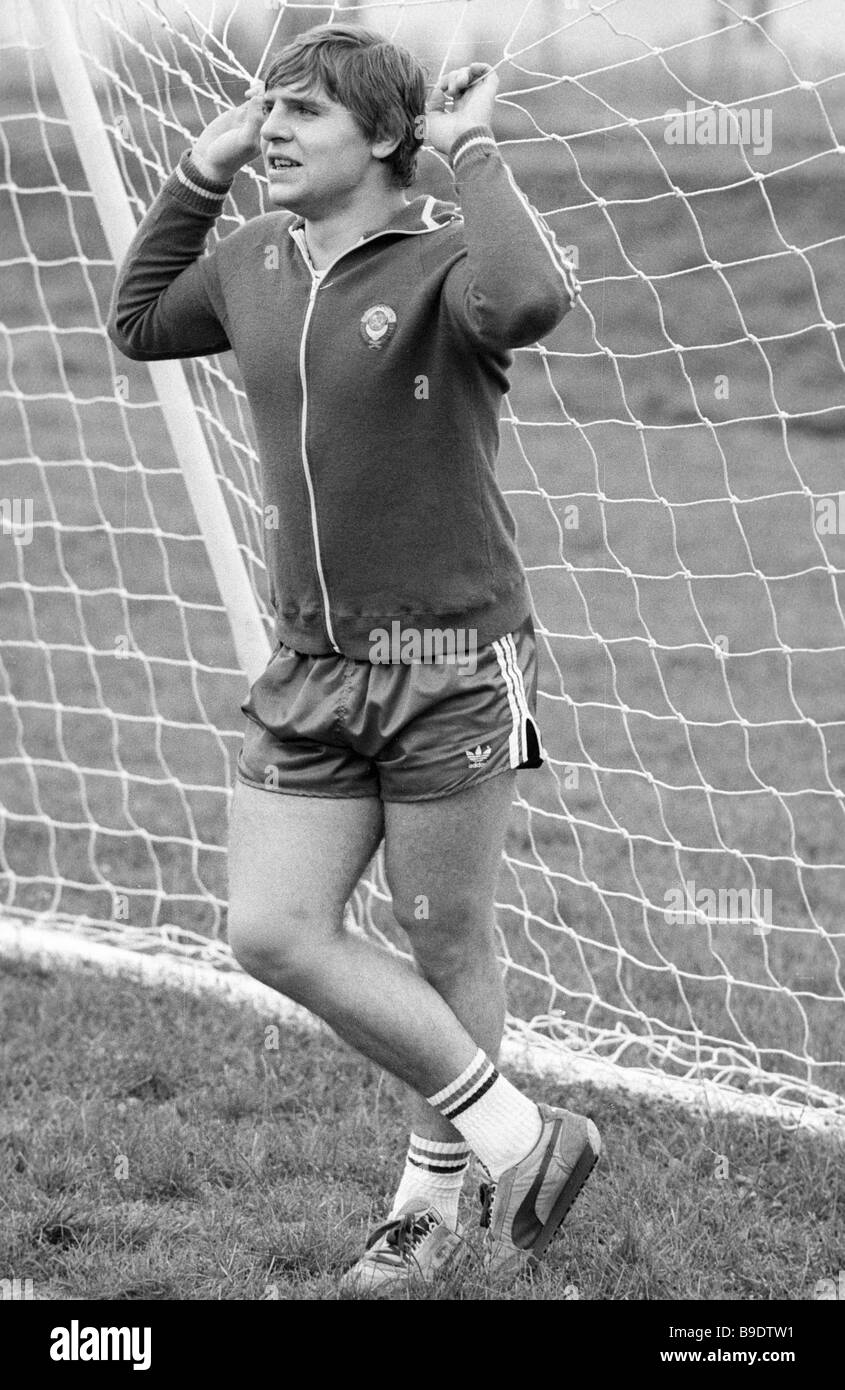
(442, 860)
(293, 863)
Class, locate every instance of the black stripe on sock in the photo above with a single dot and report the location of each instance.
(470, 1100)
(438, 1167)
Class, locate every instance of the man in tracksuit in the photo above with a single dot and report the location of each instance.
(374, 333)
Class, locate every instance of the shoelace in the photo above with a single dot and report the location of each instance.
(486, 1193)
(404, 1234)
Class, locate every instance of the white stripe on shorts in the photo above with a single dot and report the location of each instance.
(505, 649)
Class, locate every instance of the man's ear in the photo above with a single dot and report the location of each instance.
(384, 147)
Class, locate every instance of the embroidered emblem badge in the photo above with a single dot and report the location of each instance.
(378, 324)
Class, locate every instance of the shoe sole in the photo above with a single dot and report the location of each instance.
(568, 1194)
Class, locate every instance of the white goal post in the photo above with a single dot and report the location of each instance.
(670, 909)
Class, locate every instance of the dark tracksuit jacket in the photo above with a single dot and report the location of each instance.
(375, 387)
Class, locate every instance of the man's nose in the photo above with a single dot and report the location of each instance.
(276, 127)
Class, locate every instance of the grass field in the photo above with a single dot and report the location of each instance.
(153, 1148)
(692, 661)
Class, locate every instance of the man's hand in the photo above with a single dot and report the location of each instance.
(473, 92)
(231, 139)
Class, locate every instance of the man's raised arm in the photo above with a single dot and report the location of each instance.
(167, 299)
(515, 284)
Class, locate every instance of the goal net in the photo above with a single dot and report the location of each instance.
(670, 905)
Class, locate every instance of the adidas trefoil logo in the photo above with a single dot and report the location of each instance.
(478, 756)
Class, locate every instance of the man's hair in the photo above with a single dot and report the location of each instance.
(381, 84)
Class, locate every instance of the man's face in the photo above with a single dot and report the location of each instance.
(331, 156)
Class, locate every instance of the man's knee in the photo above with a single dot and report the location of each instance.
(278, 945)
(447, 938)
(268, 950)
(461, 914)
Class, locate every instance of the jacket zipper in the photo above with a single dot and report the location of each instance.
(317, 278)
(315, 285)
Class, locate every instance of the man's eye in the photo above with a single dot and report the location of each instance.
(267, 108)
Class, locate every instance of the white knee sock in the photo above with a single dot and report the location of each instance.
(499, 1123)
(433, 1176)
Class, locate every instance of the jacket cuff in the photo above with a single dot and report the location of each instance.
(476, 143)
(198, 192)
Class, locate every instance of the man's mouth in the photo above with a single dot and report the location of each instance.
(282, 162)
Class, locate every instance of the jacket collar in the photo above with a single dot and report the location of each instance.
(422, 214)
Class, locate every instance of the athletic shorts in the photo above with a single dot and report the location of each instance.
(407, 731)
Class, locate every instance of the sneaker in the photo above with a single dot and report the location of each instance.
(415, 1244)
(526, 1206)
